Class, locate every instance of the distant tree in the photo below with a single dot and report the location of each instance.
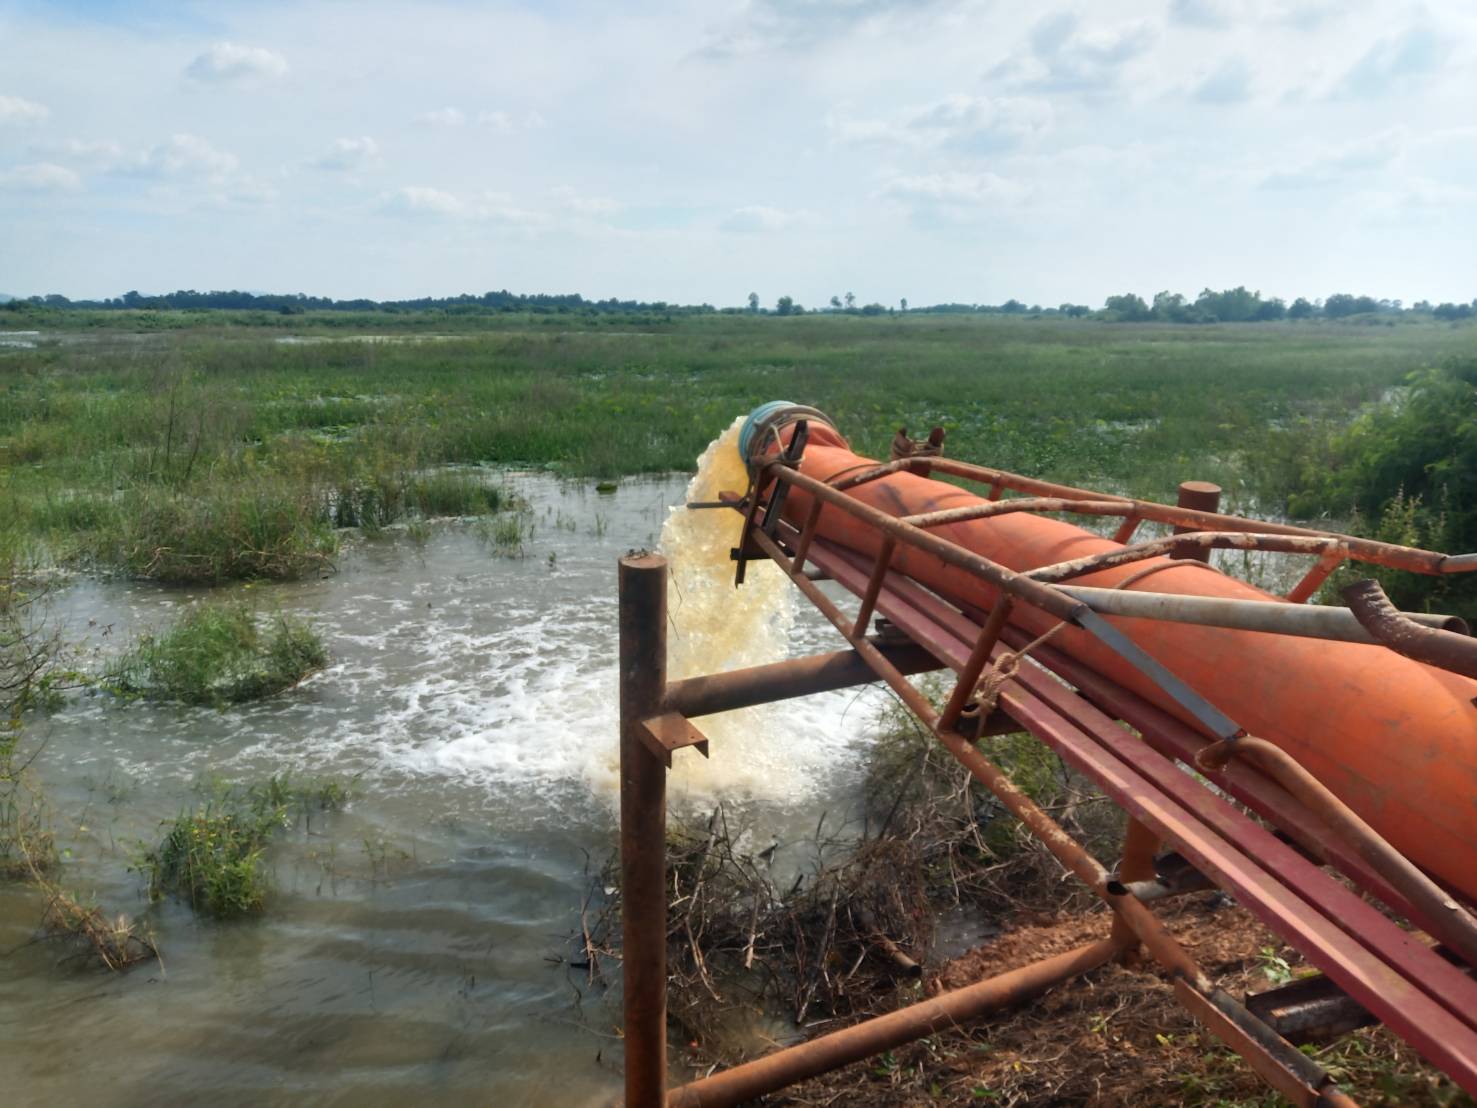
(1236, 305)
(1341, 304)
(1452, 311)
(1301, 309)
(1075, 311)
(784, 306)
(1169, 306)
(903, 303)
(1128, 308)
(753, 301)
(1013, 307)
(1421, 306)
(835, 303)
(1272, 309)
(850, 301)
(874, 309)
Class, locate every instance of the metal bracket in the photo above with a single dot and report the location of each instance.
(668, 732)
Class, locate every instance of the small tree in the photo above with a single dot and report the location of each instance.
(784, 306)
(753, 301)
(903, 303)
(836, 303)
(850, 301)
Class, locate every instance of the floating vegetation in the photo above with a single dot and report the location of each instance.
(219, 654)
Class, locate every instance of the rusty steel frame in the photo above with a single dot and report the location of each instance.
(1440, 1025)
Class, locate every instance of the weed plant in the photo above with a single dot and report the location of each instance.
(214, 855)
(219, 654)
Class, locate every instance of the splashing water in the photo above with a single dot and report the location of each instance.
(766, 752)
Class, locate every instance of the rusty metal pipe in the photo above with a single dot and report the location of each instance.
(1402, 634)
(1020, 584)
(1274, 617)
(991, 508)
(643, 678)
(1368, 550)
(1447, 919)
(1177, 544)
(743, 688)
(975, 665)
(852, 1044)
(1200, 496)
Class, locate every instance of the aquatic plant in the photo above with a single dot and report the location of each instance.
(219, 654)
(213, 856)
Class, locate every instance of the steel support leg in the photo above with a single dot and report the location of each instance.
(643, 681)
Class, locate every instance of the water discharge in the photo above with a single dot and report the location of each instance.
(714, 628)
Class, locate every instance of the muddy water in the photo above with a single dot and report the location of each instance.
(410, 948)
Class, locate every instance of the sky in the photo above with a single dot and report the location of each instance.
(934, 150)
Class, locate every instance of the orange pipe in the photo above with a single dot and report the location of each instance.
(1393, 738)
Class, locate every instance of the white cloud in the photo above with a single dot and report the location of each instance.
(227, 62)
(444, 118)
(98, 156)
(489, 207)
(1063, 56)
(421, 200)
(186, 155)
(761, 25)
(14, 109)
(40, 177)
(968, 124)
(503, 122)
(955, 190)
(349, 155)
(757, 217)
(580, 204)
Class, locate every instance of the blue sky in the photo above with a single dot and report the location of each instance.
(927, 149)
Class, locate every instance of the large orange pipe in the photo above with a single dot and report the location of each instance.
(1395, 739)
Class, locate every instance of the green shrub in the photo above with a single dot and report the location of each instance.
(1407, 472)
(219, 654)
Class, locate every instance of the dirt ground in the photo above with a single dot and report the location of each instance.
(1116, 1036)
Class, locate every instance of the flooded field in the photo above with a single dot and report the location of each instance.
(413, 944)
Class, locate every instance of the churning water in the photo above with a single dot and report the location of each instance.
(410, 950)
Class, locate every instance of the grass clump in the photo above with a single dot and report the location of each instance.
(214, 856)
(219, 534)
(217, 655)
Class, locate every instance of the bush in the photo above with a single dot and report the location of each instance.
(1407, 470)
(219, 654)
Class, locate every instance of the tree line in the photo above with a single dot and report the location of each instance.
(1238, 305)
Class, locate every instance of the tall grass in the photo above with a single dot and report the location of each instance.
(219, 654)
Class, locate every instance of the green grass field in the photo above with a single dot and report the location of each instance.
(200, 446)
